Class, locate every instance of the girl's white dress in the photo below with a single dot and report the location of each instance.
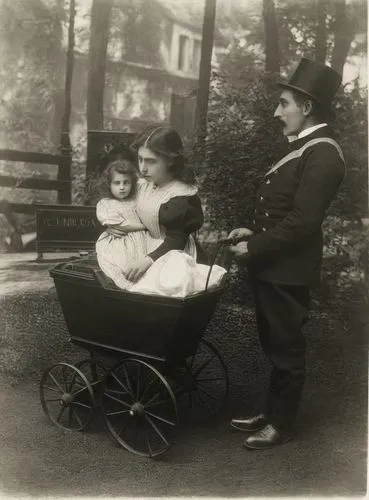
(115, 254)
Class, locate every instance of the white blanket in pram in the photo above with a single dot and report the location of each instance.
(177, 274)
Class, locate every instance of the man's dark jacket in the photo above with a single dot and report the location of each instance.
(291, 204)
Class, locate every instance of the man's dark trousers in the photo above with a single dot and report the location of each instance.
(281, 312)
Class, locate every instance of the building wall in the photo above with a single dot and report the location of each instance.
(137, 97)
(140, 87)
(137, 94)
(191, 55)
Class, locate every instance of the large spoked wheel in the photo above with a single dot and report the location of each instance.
(139, 408)
(67, 397)
(205, 383)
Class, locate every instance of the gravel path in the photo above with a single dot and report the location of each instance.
(326, 458)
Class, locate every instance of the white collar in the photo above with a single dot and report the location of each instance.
(310, 130)
(307, 131)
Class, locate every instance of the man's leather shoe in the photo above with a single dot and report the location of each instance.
(251, 424)
(267, 437)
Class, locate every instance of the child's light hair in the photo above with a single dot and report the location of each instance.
(120, 166)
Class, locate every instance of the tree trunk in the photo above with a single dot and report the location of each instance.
(64, 169)
(65, 145)
(204, 79)
(59, 76)
(100, 15)
(343, 36)
(321, 32)
(272, 62)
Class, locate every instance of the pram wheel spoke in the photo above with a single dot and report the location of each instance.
(120, 383)
(82, 405)
(138, 382)
(56, 382)
(130, 390)
(60, 414)
(117, 400)
(161, 419)
(73, 390)
(156, 430)
(118, 412)
(76, 417)
(139, 429)
(147, 440)
(206, 385)
(202, 367)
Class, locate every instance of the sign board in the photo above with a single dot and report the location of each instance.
(66, 228)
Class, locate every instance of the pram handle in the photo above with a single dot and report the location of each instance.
(221, 243)
(232, 241)
(220, 246)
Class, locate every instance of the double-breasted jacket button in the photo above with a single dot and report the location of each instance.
(263, 229)
(266, 214)
(261, 198)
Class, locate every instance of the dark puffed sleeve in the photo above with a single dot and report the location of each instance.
(180, 217)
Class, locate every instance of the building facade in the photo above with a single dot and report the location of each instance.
(152, 70)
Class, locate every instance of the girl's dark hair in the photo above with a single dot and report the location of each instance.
(166, 142)
(102, 183)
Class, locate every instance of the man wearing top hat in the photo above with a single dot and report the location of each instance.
(283, 250)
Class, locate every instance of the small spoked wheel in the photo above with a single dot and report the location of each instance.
(67, 397)
(139, 408)
(205, 384)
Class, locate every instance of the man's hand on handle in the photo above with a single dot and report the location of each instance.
(238, 248)
(239, 234)
(239, 251)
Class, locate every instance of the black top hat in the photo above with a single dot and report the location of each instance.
(316, 80)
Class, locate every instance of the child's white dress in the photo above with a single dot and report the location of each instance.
(116, 254)
(177, 274)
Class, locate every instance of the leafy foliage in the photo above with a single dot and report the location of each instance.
(79, 171)
(298, 20)
(345, 249)
(350, 127)
(136, 32)
(31, 55)
(240, 130)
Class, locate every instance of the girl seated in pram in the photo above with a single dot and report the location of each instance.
(148, 245)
